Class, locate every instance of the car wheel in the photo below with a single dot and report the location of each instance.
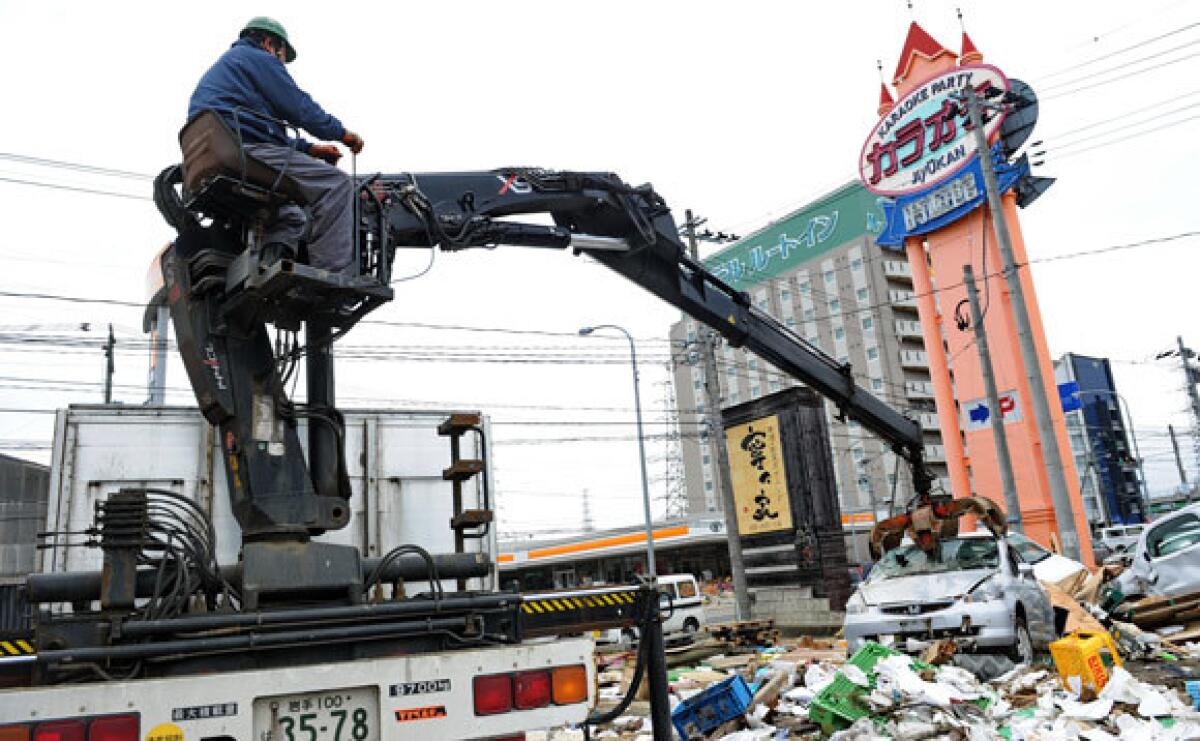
(691, 625)
(1022, 652)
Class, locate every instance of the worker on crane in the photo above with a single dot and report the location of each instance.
(250, 89)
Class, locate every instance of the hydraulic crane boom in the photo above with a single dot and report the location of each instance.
(630, 230)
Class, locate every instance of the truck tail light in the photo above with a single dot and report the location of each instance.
(570, 684)
(14, 733)
(531, 689)
(114, 728)
(493, 694)
(60, 730)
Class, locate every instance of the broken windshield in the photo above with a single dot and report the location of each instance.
(953, 554)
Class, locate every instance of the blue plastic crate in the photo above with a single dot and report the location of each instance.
(703, 712)
(1193, 690)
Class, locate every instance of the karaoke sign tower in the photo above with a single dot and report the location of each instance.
(921, 159)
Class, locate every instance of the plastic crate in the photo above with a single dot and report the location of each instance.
(1090, 656)
(869, 655)
(721, 702)
(842, 702)
(1193, 690)
(838, 705)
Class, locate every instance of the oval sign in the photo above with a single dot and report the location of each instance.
(926, 137)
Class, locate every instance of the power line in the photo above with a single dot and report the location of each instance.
(1053, 156)
(1076, 141)
(1109, 55)
(1123, 66)
(1120, 77)
(1136, 112)
(76, 189)
(79, 167)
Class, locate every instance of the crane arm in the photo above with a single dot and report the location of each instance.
(631, 231)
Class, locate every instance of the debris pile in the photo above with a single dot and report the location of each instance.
(810, 689)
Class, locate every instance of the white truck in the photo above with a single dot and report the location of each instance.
(399, 496)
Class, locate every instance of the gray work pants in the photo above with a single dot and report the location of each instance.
(328, 191)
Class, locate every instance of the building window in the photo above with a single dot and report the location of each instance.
(872, 353)
(835, 306)
(839, 333)
(707, 458)
(805, 288)
(754, 390)
(867, 323)
(790, 321)
(877, 384)
(862, 294)
(708, 486)
(810, 315)
(699, 384)
(785, 295)
(843, 359)
(856, 264)
(830, 277)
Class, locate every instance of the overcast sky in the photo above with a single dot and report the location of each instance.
(741, 112)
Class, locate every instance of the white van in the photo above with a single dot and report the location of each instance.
(686, 607)
(1116, 537)
(682, 606)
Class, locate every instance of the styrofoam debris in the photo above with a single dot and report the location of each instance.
(800, 695)
(817, 676)
(855, 675)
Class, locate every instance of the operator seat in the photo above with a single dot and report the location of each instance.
(222, 180)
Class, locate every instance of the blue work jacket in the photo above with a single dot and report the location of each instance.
(250, 88)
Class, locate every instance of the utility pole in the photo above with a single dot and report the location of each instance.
(109, 365)
(1178, 460)
(1055, 473)
(716, 427)
(999, 436)
(1190, 378)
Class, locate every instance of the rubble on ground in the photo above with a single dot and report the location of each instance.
(811, 688)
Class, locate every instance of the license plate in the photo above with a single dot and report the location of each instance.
(349, 714)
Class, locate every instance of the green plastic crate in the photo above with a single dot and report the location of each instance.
(842, 702)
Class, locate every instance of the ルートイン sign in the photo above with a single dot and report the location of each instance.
(926, 137)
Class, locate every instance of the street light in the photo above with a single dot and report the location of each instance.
(637, 405)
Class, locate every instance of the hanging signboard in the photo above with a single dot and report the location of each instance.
(757, 473)
(926, 137)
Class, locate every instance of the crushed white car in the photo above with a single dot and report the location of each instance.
(976, 590)
(1166, 559)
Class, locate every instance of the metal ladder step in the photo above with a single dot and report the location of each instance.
(471, 518)
(463, 469)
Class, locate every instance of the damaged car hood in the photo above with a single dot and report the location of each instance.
(922, 587)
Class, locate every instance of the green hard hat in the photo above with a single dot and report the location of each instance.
(263, 23)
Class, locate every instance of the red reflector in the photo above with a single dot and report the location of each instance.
(493, 694)
(114, 728)
(14, 733)
(531, 690)
(59, 730)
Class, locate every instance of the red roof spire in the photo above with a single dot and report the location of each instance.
(918, 44)
(886, 101)
(970, 54)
